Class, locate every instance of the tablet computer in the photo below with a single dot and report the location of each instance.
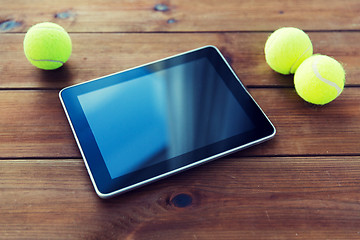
(140, 125)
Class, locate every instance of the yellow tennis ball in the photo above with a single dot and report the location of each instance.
(286, 49)
(319, 79)
(47, 45)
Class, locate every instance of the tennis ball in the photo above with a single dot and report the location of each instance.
(319, 79)
(286, 49)
(47, 45)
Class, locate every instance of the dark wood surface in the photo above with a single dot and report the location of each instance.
(303, 184)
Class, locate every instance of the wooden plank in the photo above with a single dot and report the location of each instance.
(33, 124)
(248, 198)
(184, 15)
(95, 55)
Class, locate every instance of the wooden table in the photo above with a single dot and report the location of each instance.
(303, 184)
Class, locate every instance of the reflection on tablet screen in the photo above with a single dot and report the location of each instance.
(161, 115)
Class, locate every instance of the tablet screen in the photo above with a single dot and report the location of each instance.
(161, 115)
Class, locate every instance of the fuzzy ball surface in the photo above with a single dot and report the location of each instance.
(47, 45)
(286, 49)
(319, 79)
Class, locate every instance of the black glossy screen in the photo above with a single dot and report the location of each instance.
(162, 114)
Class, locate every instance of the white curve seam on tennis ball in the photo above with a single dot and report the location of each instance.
(318, 75)
(46, 60)
(299, 58)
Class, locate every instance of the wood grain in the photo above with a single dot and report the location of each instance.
(248, 197)
(95, 56)
(303, 184)
(181, 15)
(35, 125)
